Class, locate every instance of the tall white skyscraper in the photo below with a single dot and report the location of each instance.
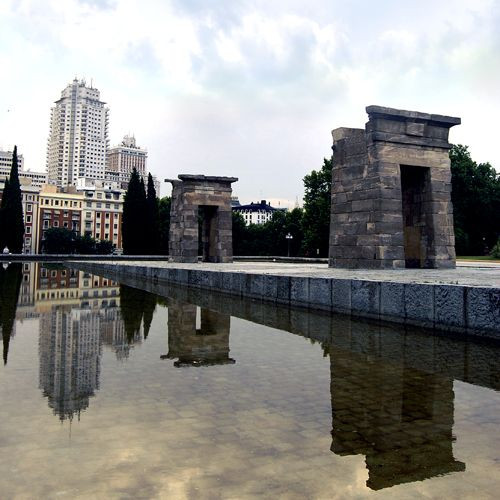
(78, 137)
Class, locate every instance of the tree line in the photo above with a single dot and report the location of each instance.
(476, 206)
(146, 219)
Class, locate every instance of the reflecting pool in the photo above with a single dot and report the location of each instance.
(118, 390)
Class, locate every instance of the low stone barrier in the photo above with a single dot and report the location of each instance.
(458, 308)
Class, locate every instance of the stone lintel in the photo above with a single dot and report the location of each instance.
(416, 116)
(206, 178)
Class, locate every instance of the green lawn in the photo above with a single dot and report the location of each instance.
(477, 257)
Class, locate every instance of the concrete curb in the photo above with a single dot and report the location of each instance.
(456, 308)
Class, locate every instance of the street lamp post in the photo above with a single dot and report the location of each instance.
(289, 238)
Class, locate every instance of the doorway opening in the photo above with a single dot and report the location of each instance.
(415, 190)
(207, 232)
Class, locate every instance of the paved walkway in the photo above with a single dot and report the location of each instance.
(487, 275)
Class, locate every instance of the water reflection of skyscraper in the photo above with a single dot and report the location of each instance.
(400, 418)
(74, 324)
(206, 345)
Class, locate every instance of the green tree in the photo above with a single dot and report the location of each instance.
(239, 234)
(104, 247)
(316, 219)
(164, 224)
(134, 232)
(12, 210)
(153, 219)
(3, 205)
(84, 244)
(59, 240)
(476, 203)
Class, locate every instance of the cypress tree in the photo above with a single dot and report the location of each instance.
(143, 226)
(134, 232)
(153, 218)
(3, 215)
(13, 220)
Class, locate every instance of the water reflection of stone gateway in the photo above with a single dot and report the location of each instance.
(207, 199)
(204, 346)
(391, 185)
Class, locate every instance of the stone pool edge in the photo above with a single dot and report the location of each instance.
(449, 307)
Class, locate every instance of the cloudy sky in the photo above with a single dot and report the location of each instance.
(249, 88)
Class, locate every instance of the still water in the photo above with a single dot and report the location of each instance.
(111, 391)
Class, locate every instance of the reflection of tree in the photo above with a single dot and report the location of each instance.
(10, 284)
(136, 306)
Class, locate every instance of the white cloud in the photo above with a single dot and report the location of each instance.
(249, 88)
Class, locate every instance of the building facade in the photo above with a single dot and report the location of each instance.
(36, 179)
(102, 210)
(78, 138)
(256, 213)
(122, 159)
(6, 162)
(58, 208)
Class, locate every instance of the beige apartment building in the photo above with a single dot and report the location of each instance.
(102, 210)
(91, 207)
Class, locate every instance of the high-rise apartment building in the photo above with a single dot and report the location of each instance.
(122, 159)
(78, 138)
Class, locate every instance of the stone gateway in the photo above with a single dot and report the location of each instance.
(391, 192)
(199, 200)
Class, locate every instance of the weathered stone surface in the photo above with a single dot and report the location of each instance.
(320, 293)
(283, 289)
(392, 300)
(270, 287)
(419, 304)
(483, 309)
(299, 290)
(365, 297)
(392, 179)
(449, 306)
(341, 295)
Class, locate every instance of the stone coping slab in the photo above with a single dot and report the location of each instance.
(463, 300)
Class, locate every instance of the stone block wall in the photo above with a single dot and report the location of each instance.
(391, 188)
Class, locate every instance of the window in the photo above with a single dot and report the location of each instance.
(28, 218)
(46, 224)
(65, 224)
(29, 207)
(107, 216)
(89, 204)
(28, 229)
(56, 223)
(108, 205)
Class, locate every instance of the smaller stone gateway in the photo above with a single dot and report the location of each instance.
(205, 198)
(391, 192)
